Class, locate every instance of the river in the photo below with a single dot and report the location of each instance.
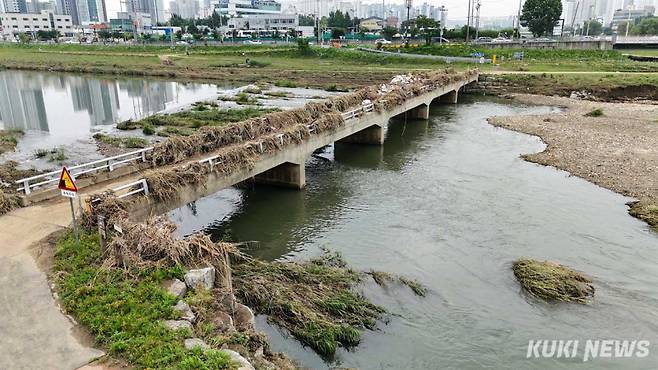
(449, 202)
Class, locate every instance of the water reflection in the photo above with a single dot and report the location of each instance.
(38, 101)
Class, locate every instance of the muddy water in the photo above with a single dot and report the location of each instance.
(450, 203)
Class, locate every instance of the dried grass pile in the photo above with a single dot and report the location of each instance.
(553, 282)
(9, 202)
(165, 184)
(153, 244)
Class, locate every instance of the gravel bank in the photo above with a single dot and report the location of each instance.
(617, 150)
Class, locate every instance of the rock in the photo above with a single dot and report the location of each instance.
(192, 343)
(204, 277)
(227, 301)
(223, 322)
(243, 317)
(242, 362)
(185, 311)
(178, 324)
(175, 287)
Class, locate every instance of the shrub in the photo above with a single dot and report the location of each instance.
(598, 112)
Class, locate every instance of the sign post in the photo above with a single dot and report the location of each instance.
(69, 190)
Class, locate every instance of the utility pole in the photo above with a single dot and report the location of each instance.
(409, 4)
(468, 22)
(477, 22)
(317, 20)
(518, 20)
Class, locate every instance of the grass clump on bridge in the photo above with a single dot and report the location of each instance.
(186, 122)
(124, 311)
(553, 282)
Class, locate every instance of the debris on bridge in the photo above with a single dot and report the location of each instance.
(553, 282)
(275, 131)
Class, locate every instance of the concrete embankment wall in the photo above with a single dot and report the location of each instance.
(564, 45)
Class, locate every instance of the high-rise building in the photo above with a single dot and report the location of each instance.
(154, 8)
(14, 6)
(184, 8)
(22, 105)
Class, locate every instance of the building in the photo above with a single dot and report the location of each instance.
(372, 24)
(22, 104)
(237, 8)
(630, 15)
(14, 6)
(267, 22)
(154, 8)
(184, 8)
(15, 23)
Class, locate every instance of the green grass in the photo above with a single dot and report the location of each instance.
(122, 142)
(598, 112)
(124, 313)
(183, 122)
(285, 83)
(57, 155)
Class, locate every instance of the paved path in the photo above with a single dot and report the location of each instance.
(34, 334)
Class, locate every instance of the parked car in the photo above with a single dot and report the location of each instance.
(483, 40)
(501, 40)
(182, 43)
(252, 42)
(383, 42)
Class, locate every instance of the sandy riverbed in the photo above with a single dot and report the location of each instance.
(618, 150)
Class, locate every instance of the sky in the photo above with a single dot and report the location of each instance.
(457, 9)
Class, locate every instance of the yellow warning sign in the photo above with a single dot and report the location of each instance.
(66, 181)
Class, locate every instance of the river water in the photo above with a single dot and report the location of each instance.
(449, 202)
(61, 110)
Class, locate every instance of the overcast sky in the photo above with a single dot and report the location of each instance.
(457, 9)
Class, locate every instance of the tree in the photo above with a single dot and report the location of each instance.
(647, 26)
(593, 28)
(541, 16)
(306, 20)
(388, 32)
(47, 35)
(428, 27)
(104, 35)
(621, 28)
(24, 38)
(337, 32)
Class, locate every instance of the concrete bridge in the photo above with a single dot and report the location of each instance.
(286, 167)
(125, 173)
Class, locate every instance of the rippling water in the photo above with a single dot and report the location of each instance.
(450, 203)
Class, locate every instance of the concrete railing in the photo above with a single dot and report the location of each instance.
(109, 164)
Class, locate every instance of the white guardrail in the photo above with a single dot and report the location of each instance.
(133, 189)
(110, 164)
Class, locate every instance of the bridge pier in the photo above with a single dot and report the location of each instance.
(290, 175)
(420, 112)
(449, 98)
(373, 135)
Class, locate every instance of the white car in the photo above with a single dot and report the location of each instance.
(252, 42)
(182, 43)
(383, 42)
(501, 40)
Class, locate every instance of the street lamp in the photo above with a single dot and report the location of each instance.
(409, 5)
(443, 11)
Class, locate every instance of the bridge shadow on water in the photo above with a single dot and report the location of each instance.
(284, 220)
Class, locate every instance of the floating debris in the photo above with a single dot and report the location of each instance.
(553, 282)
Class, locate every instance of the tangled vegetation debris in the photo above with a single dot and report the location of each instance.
(9, 140)
(382, 278)
(9, 174)
(646, 211)
(314, 300)
(598, 112)
(553, 282)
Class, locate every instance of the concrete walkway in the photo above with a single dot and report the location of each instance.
(34, 333)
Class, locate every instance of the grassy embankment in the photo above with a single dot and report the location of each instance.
(124, 313)
(323, 68)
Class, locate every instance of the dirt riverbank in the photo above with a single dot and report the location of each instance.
(614, 145)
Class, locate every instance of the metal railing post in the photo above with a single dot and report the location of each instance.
(26, 187)
(145, 185)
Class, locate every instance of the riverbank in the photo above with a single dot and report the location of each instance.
(614, 145)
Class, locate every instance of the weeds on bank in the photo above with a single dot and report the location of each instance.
(598, 112)
(124, 313)
(553, 282)
(9, 140)
(285, 83)
(57, 155)
(122, 142)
